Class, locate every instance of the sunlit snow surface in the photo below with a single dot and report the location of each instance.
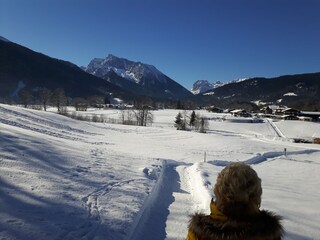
(66, 179)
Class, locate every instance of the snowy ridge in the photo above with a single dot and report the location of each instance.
(133, 71)
(239, 80)
(136, 77)
(202, 86)
(290, 94)
(261, 158)
(144, 213)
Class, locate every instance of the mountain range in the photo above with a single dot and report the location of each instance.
(301, 91)
(21, 67)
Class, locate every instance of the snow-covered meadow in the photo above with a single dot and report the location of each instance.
(66, 179)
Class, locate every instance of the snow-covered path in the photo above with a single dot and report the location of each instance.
(275, 128)
(167, 213)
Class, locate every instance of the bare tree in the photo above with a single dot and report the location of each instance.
(44, 96)
(143, 116)
(143, 112)
(59, 98)
(197, 122)
(204, 125)
(127, 117)
(96, 101)
(80, 104)
(123, 116)
(25, 97)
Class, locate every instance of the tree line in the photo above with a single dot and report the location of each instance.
(58, 99)
(141, 115)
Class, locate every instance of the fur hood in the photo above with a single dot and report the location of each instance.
(263, 226)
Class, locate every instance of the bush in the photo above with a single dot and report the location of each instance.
(96, 118)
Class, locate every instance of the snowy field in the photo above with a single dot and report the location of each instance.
(66, 179)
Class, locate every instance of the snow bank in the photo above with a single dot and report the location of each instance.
(144, 212)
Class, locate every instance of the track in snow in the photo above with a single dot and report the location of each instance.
(276, 129)
(260, 158)
(167, 209)
(89, 230)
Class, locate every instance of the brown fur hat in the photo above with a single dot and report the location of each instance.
(238, 191)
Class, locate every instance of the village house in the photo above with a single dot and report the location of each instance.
(289, 117)
(266, 110)
(279, 110)
(315, 116)
(306, 119)
(215, 109)
(291, 112)
(240, 113)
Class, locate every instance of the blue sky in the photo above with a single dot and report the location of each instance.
(187, 40)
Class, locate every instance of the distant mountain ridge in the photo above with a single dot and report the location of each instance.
(21, 67)
(137, 77)
(300, 90)
(202, 86)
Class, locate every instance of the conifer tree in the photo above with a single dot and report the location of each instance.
(192, 122)
(179, 123)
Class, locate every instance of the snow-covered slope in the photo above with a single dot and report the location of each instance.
(67, 179)
(21, 66)
(300, 91)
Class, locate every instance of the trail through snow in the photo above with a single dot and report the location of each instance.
(276, 129)
(169, 208)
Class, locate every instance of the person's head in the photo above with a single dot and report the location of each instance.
(238, 191)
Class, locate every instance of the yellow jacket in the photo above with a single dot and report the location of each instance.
(215, 215)
(264, 225)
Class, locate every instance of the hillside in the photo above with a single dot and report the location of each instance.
(299, 91)
(20, 65)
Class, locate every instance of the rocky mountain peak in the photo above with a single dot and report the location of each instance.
(130, 70)
(202, 86)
